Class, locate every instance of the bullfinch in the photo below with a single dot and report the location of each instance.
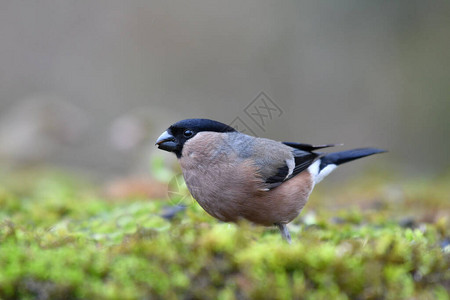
(235, 176)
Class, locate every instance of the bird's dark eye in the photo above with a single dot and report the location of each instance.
(188, 133)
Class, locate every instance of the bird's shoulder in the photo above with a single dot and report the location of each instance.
(278, 162)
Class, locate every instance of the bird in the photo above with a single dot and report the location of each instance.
(235, 176)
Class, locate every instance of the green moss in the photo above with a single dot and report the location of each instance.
(59, 239)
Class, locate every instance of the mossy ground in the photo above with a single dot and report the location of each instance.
(371, 239)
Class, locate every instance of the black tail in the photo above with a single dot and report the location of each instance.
(338, 158)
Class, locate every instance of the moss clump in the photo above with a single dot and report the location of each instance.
(59, 240)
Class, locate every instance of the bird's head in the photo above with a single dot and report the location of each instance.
(176, 135)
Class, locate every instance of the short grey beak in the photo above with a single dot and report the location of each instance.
(164, 137)
(167, 142)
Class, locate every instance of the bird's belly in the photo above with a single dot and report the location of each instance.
(230, 196)
(212, 192)
(281, 204)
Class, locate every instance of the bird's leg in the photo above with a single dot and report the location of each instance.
(284, 232)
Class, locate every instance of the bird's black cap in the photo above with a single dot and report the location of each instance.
(199, 125)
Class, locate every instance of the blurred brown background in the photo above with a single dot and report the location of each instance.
(90, 84)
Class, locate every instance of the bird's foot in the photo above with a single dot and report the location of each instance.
(284, 232)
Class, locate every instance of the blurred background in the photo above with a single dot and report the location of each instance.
(89, 85)
(91, 209)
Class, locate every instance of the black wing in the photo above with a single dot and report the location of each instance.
(308, 147)
(303, 159)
